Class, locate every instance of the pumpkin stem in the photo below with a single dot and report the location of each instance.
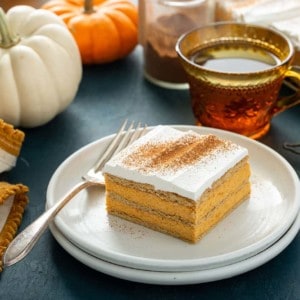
(7, 39)
(88, 7)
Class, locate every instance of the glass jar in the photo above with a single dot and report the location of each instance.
(161, 23)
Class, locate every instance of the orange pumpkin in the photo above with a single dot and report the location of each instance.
(105, 30)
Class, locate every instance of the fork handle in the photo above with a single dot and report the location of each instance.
(25, 240)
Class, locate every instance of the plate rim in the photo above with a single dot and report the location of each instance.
(184, 264)
(178, 278)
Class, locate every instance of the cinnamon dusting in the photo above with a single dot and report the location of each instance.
(175, 154)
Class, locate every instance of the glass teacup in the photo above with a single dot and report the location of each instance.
(235, 72)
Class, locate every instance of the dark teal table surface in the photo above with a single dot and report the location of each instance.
(107, 95)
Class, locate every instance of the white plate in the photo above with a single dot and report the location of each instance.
(178, 278)
(251, 228)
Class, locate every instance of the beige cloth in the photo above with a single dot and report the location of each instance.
(11, 141)
(280, 14)
(13, 200)
(13, 197)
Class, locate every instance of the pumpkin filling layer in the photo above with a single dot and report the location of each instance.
(184, 213)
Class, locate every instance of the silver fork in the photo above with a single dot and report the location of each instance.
(24, 241)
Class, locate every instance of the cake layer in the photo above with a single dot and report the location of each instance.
(218, 213)
(181, 162)
(175, 227)
(176, 205)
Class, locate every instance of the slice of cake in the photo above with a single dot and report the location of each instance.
(177, 182)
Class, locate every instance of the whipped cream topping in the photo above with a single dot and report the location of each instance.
(181, 162)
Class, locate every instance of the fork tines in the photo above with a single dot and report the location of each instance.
(130, 135)
(122, 139)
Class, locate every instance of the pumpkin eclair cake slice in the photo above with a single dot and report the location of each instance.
(177, 182)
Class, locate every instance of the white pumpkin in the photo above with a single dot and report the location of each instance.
(40, 66)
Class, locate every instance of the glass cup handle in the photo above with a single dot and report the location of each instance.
(287, 102)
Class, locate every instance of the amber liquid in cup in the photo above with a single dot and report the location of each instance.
(235, 74)
(237, 109)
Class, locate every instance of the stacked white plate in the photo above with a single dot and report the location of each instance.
(254, 233)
